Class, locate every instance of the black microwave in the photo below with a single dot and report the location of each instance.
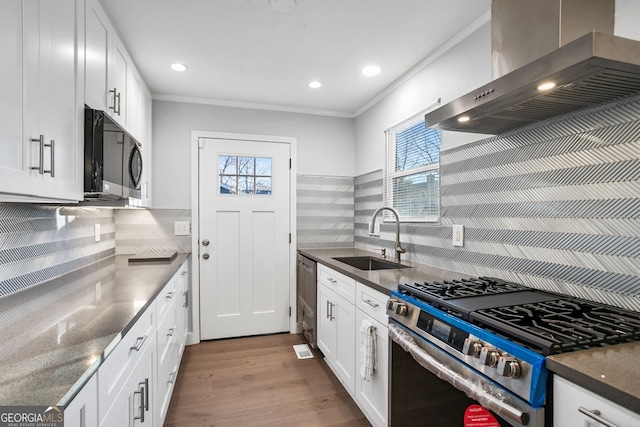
(112, 159)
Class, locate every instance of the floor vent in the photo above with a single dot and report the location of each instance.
(303, 351)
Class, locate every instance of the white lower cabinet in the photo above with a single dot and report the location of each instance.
(336, 330)
(372, 394)
(572, 403)
(133, 405)
(339, 321)
(83, 409)
(167, 360)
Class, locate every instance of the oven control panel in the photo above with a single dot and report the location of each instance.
(446, 333)
(462, 341)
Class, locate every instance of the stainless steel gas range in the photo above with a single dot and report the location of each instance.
(472, 352)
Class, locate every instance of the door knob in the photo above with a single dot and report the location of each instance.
(205, 242)
(205, 256)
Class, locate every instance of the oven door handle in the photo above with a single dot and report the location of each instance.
(472, 390)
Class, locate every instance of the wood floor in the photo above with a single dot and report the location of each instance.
(258, 381)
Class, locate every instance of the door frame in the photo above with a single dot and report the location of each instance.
(194, 336)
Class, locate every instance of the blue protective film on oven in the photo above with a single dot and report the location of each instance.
(538, 388)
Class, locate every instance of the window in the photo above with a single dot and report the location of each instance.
(244, 175)
(412, 176)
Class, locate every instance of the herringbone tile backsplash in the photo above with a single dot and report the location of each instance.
(554, 205)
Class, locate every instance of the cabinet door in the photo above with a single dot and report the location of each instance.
(45, 161)
(12, 149)
(145, 140)
(134, 405)
(83, 409)
(372, 395)
(569, 397)
(167, 362)
(118, 86)
(97, 31)
(326, 327)
(345, 355)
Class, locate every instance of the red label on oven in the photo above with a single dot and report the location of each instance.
(477, 416)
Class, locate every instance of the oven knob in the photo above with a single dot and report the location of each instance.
(401, 309)
(472, 347)
(489, 356)
(391, 304)
(509, 367)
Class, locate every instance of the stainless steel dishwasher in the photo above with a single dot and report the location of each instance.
(307, 297)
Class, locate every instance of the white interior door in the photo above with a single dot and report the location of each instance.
(244, 196)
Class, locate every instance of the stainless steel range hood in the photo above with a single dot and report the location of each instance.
(589, 70)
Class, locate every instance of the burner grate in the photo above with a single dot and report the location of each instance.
(462, 288)
(561, 325)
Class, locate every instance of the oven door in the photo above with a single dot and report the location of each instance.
(429, 387)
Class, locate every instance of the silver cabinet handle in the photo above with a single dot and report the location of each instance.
(170, 333)
(205, 256)
(143, 391)
(205, 242)
(51, 171)
(328, 309)
(172, 377)
(139, 342)
(116, 101)
(186, 299)
(40, 167)
(169, 295)
(114, 91)
(332, 318)
(374, 305)
(332, 280)
(595, 415)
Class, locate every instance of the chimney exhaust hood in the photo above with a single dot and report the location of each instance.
(593, 69)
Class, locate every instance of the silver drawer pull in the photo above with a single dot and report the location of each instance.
(172, 377)
(170, 334)
(595, 415)
(139, 342)
(332, 280)
(372, 304)
(169, 295)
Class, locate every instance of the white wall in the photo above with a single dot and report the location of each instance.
(325, 145)
(461, 69)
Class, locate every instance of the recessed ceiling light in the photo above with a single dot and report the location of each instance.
(283, 6)
(371, 70)
(463, 119)
(176, 66)
(315, 84)
(546, 86)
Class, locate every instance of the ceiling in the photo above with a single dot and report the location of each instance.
(245, 53)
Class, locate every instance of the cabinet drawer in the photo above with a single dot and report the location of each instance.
(167, 332)
(166, 297)
(343, 285)
(119, 364)
(372, 302)
(568, 398)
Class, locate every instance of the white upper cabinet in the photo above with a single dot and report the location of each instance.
(42, 112)
(119, 79)
(97, 32)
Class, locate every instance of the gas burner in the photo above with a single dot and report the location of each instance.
(561, 325)
(462, 288)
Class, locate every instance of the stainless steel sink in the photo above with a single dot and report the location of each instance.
(370, 263)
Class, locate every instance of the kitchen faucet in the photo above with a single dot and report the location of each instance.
(399, 249)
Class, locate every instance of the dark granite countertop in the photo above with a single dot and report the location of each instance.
(381, 280)
(610, 372)
(54, 336)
